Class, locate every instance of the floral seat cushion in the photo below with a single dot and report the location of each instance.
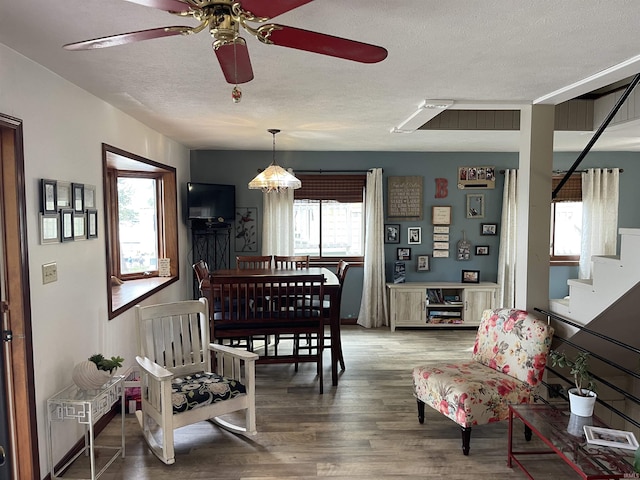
(507, 364)
(469, 393)
(203, 388)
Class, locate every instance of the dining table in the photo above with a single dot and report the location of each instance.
(331, 290)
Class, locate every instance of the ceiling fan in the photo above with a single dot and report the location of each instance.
(224, 18)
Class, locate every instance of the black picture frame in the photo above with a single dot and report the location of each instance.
(77, 197)
(66, 225)
(404, 253)
(49, 196)
(470, 276)
(414, 235)
(482, 250)
(489, 229)
(92, 223)
(392, 233)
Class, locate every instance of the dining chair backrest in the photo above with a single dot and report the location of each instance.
(202, 274)
(341, 271)
(202, 270)
(291, 262)
(253, 262)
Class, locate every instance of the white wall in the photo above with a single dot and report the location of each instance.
(64, 128)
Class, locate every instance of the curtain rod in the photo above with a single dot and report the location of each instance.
(575, 171)
(333, 171)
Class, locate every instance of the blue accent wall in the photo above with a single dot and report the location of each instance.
(239, 167)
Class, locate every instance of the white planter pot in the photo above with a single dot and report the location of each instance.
(582, 406)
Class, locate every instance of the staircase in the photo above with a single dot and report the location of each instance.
(612, 277)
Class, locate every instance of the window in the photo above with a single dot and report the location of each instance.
(141, 226)
(566, 221)
(329, 217)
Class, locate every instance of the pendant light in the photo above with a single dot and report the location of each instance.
(274, 178)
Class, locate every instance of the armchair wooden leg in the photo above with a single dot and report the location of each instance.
(421, 411)
(527, 433)
(466, 439)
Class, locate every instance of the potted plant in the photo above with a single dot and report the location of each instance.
(582, 398)
(94, 372)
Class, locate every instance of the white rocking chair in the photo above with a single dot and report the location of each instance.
(178, 386)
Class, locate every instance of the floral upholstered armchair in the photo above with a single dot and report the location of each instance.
(507, 364)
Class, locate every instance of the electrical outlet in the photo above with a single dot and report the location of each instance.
(49, 272)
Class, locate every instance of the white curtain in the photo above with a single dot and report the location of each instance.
(277, 223)
(373, 308)
(508, 240)
(599, 216)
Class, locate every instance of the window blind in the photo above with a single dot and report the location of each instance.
(341, 188)
(571, 191)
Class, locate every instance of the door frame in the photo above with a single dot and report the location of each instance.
(21, 403)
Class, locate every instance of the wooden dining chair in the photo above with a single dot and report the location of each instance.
(253, 262)
(202, 275)
(291, 262)
(325, 306)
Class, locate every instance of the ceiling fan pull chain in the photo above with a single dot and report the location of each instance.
(236, 93)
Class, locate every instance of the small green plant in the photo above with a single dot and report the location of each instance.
(579, 368)
(106, 364)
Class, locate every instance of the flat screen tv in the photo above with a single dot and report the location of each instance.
(210, 202)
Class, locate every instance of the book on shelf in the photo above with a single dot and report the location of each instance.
(444, 320)
(444, 313)
(434, 295)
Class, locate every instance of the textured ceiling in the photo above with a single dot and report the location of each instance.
(495, 53)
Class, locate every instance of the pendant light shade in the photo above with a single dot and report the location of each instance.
(274, 178)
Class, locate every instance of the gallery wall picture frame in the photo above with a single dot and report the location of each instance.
(440, 229)
(392, 233)
(470, 276)
(92, 223)
(79, 226)
(441, 215)
(482, 250)
(64, 194)
(48, 196)
(478, 177)
(66, 225)
(422, 263)
(49, 228)
(404, 253)
(89, 196)
(490, 229)
(414, 235)
(77, 197)
(441, 254)
(440, 237)
(475, 205)
(441, 245)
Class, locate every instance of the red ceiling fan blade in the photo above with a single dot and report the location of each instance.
(124, 38)
(166, 5)
(271, 8)
(235, 62)
(324, 44)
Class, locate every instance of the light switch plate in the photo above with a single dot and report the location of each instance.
(49, 272)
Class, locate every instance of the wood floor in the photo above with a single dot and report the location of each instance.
(366, 427)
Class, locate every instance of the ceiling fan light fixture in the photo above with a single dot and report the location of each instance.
(427, 109)
(274, 178)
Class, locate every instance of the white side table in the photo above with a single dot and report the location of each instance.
(86, 407)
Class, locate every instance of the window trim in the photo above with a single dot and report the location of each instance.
(123, 297)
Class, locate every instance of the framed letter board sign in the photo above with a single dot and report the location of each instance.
(404, 198)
